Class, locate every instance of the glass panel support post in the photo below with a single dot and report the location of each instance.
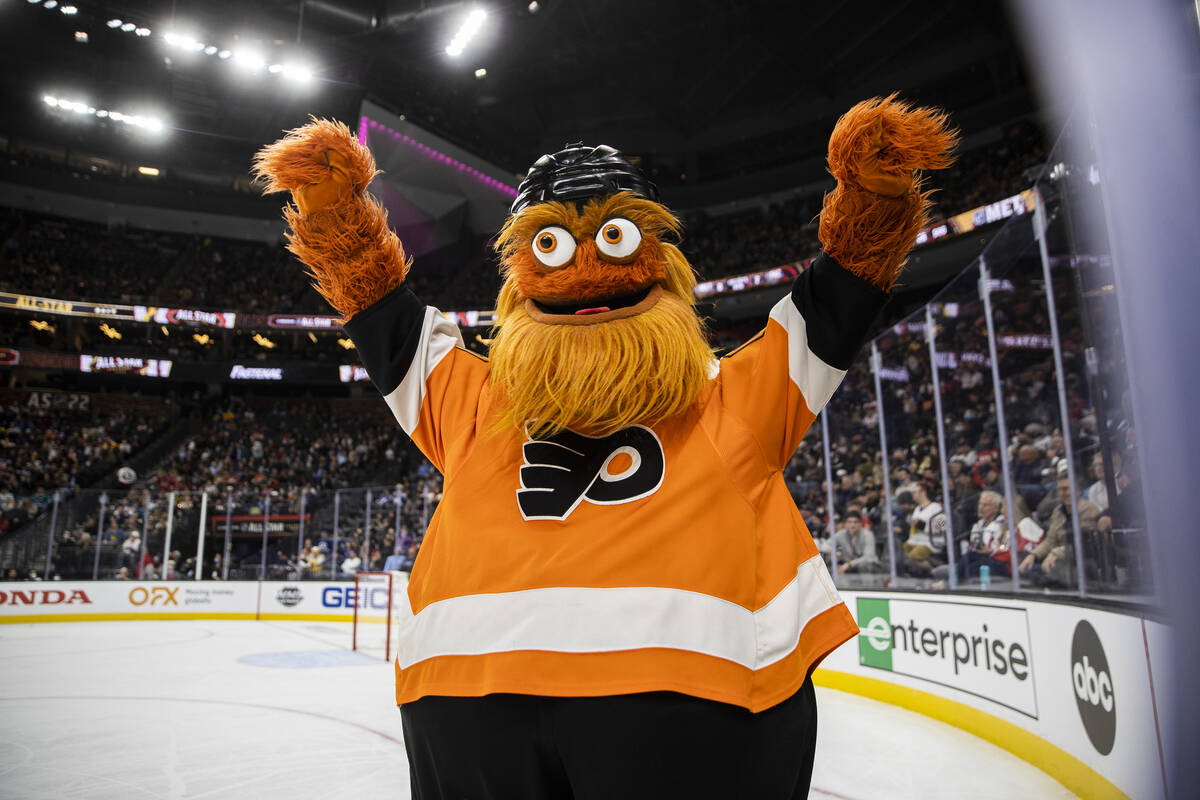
(99, 536)
(944, 470)
(50, 536)
(876, 366)
(1014, 539)
(831, 524)
(200, 534)
(1040, 224)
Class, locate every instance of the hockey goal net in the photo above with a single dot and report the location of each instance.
(378, 596)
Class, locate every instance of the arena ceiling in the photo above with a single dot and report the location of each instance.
(705, 92)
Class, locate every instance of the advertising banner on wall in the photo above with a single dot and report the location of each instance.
(124, 599)
(129, 365)
(1079, 679)
(117, 600)
(979, 649)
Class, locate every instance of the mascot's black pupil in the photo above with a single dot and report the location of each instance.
(613, 233)
(546, 242)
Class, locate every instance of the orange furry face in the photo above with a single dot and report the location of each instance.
(567, 261)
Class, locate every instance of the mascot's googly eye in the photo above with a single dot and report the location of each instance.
(553, 246)
(618, 238)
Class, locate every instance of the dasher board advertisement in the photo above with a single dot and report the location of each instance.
(979, 649)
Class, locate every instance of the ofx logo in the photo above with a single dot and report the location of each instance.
(1093, 686)
(154, 596)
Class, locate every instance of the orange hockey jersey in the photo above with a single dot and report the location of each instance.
(670, 558)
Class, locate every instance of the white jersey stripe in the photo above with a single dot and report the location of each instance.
(439, 336)
(816, 379)
(600, 620)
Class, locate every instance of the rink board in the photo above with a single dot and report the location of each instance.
(77, 601)
(1077, 691)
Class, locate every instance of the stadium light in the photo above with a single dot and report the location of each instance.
(470, 27)
(128, 26)
(69, 10)
(113, 23)
(211, 50)
(34, 2)
(50, 4)
(182, 41)
(481, 73)
(249, 61)
(151, 171)
(142, 31)
(224, 55)
(81, 37)
(152, 124)
(297, 72)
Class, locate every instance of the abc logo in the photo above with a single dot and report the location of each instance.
(1093, 686)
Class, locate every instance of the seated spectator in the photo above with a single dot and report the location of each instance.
(987, 541)
(1052, 562)
(856, 547)
(131, 549)
(396, 559)
(351, 564)
(925, 547)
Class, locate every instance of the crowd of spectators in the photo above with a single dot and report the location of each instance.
(251, 452)
(977, 522)
(43, 449)
(58, 258)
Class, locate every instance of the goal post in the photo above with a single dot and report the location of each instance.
(377, 599)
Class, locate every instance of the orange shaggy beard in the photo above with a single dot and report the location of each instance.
(598, 379)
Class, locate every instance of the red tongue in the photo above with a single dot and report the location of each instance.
(596, 310)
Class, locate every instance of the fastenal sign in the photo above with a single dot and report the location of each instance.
(983, 650)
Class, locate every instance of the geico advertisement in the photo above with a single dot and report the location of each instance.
(983, 650)
(333, 598)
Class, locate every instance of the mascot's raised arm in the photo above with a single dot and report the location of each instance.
(617, 596)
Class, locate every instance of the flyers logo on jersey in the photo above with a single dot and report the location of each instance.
(561, 472)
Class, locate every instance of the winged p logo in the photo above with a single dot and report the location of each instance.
(568, 468)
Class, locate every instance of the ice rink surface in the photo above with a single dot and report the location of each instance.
(214, 709)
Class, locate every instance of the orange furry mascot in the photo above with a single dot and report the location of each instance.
(616, 587)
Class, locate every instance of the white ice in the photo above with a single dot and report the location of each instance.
(214, 709)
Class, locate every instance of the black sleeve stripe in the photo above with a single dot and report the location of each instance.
(838, 308)
(387, 334)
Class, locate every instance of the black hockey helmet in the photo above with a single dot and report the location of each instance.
(578, 172)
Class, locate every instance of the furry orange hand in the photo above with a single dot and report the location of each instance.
(879, 144)
(321, 164)
(338, 230)
(871, 219)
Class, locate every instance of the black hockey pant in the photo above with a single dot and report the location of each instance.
(656, 745)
